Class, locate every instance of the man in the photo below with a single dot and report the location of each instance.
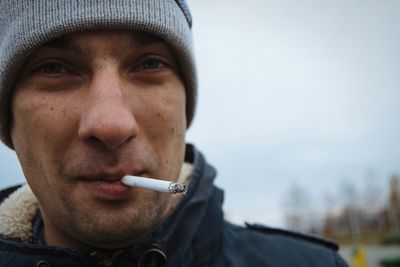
(96, 90)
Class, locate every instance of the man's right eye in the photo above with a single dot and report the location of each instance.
(53, 68)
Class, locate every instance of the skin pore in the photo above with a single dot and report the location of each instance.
(88, 109)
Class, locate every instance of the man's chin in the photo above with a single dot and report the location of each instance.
(112, 226)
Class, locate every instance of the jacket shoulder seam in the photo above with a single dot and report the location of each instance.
(295, 235)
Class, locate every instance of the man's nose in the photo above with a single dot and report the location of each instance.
(107, 120)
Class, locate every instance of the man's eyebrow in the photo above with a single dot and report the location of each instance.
(64, 43)
(138, 39)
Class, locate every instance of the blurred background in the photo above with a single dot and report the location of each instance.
(298, 110)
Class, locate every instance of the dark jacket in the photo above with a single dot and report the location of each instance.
(195, 234)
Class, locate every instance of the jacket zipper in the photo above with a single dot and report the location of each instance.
(105, 258)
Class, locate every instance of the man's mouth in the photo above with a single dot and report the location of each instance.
(106, 187)
(101, 178)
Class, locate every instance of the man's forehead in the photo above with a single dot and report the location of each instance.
(73, 41)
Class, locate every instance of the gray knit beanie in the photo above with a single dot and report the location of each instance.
(27, 24)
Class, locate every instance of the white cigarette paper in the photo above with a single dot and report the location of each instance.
(154, 184)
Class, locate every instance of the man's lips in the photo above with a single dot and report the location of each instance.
(110, 176)
(101, 178)
(106, 186)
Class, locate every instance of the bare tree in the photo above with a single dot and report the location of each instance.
(351, 199)
(394, 204)
(372, 196)
(297, 208)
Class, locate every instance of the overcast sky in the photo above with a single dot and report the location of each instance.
(291, 91)
(302, 92)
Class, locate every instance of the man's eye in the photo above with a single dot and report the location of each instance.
(52, 69)
(151, 64)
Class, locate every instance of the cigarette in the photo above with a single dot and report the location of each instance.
(154, 184)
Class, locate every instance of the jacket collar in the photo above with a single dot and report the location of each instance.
(16, 214)
(194, 228)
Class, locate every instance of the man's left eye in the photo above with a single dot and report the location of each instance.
(151, 64)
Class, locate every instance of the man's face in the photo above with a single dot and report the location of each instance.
(88, 109)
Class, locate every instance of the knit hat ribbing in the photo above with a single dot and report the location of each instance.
(27, 24)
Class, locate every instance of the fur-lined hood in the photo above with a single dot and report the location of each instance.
(16, 214)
